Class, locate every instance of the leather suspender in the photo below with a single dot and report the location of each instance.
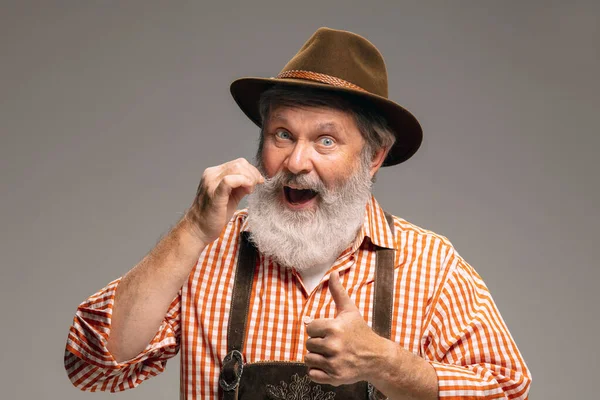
(242, 288)
(233, 363)
(384, 288)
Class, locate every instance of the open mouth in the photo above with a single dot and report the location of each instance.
(298, 196)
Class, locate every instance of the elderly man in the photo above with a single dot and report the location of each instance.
(313, 292)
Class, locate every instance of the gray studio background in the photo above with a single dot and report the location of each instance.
(111, 110)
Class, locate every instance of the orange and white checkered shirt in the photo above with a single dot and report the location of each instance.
(442, 312)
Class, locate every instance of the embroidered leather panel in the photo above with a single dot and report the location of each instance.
(298, 388)
(277, 380)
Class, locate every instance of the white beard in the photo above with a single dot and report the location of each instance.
(303, 239)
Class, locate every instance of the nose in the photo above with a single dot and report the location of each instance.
(299, 160)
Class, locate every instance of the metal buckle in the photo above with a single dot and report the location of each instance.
(233, 362)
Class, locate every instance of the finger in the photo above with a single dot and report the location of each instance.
(231, 182)
(208, 176)
(320, 346)
(242, 166)
(259, 177)
(319, 376)
(319, 327)
(314, 360)
(343, 302)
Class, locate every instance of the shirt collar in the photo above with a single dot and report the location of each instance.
(375, 226)
(243, 214)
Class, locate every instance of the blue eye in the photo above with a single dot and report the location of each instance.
(327, 141)
(283, 135)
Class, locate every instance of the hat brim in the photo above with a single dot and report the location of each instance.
(409, 135)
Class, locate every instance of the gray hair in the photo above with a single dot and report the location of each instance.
(372, 126)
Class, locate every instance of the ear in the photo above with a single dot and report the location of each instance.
(377, 160)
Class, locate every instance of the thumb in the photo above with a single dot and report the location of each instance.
(342, 301)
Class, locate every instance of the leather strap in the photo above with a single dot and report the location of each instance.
(384, 288)
(242, 288)
(233, 364)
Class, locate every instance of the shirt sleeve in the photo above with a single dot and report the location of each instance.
(89, 364)
(468, 343)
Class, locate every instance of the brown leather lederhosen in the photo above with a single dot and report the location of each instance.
(283, 380)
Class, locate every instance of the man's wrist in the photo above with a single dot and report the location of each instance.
(188, 235)
(387, 363)
(401, 373)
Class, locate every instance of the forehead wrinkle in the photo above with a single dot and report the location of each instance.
(327, 126)
(277, 116)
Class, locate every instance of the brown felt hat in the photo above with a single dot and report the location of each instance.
(345, 63)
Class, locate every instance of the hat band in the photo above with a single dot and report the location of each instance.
(323, 78)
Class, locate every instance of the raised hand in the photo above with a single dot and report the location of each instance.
(220, 191)
(344, 349)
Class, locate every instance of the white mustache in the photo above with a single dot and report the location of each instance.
(285, 178)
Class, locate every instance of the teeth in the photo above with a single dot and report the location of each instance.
(300, 188)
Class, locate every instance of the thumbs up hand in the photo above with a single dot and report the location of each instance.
(344, 349)
(343, 303)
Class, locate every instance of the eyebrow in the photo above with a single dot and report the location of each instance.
(328, 126)
(277, 117)
(324, 126)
